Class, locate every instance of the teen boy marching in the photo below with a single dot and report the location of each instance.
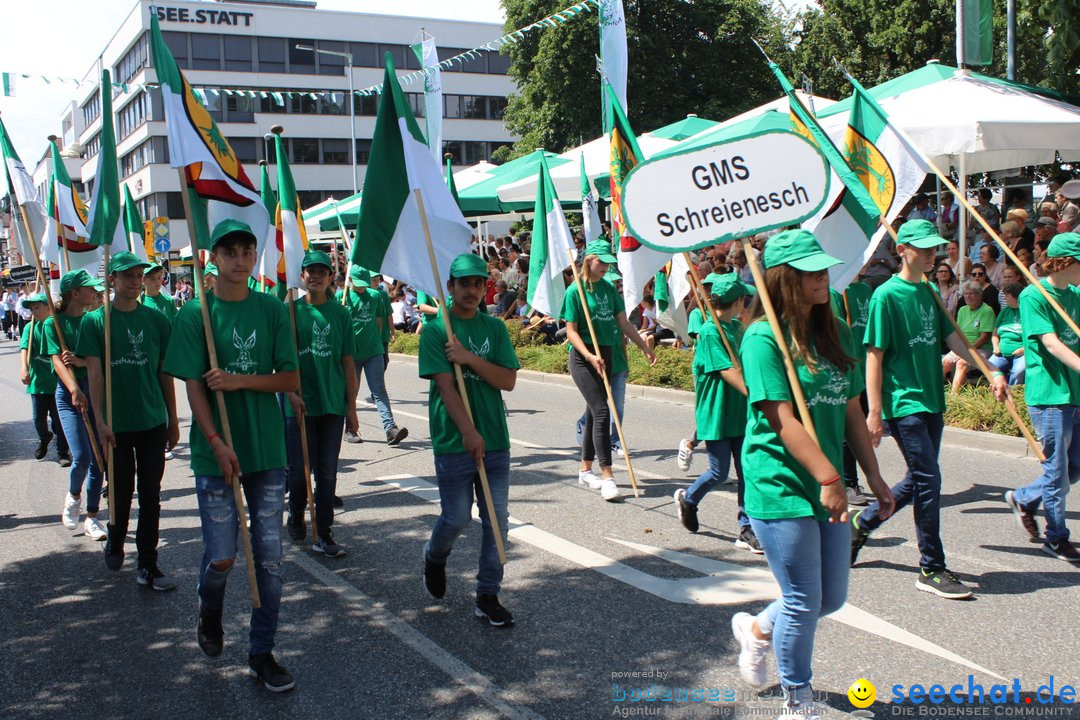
(483, 349)
(36, 372)
(324, 339)
(256, 359)
(143, 403)
(903, 337)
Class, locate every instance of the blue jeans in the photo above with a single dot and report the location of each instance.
(919, 438)
(1013, 367)
(265, 494)
(1058, 428)
(618, 391)
(459, 484)
(82, 456)
(720, 455)
(810, 560)
(324, 447)
(374, 369)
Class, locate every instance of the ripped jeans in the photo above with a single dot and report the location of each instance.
(265, 495)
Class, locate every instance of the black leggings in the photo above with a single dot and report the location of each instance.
(138, 461)
(596, 436)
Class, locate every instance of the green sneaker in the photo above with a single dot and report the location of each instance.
(943, 584)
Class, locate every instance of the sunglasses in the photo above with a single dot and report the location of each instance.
(978, 274)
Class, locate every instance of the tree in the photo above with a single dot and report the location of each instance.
(684, 57)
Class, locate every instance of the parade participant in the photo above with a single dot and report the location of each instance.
(687, 445)
(720, 407)
(462, 444)
(143, 403)
(209, 276)
(36, 372)
(852, 307)
(386, 320)
(365, 307)
(904, 389)
(324, 341)
(620, 372)
(591, 356)
(77, 291)
(794, 495)
(1052, 393)
(256, 358)
(153, 294)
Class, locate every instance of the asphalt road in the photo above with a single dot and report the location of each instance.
(609, 598)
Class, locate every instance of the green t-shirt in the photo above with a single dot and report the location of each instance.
(364, 306)
(974, 323)
(906, 323)
(324, 337)
(38, 360)
(163, 302)
(619, 362)
(1048, 380)
(69, 326)
(720, 409)
(252, 338)
(386, 312)
(694, 322)
(487, 337)
(605, 304)
(422, 298)
(777, 486)
(1008, 327)
(139, 338)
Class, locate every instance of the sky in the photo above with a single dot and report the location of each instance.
(62, 38)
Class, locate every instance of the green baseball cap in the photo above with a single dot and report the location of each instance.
(125, 260)
(469, 265)
(799, 249)
(151, 267)
(79, 278)
(210, 269)
(360, 277)
(728, 286)
(612, 275)
(26, 302)
(920, 234)
(317, 257)
(228, 227)
(1064, 245)
(602, 250)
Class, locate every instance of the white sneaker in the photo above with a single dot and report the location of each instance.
(608, 489)
(588, 477)
(72, 511)
(686, 453)
(169, 455)
(615, 450)
(800, 705)
(752, 651)
(95, 530)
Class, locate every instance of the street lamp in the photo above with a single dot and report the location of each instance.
(352, 104)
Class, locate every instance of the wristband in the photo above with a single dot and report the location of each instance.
(210, 438)
(830, 482)
(997, 374)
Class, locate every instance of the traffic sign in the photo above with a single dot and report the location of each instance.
(162, 245)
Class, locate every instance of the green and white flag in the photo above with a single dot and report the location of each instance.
(104, 222)
(71, 217)
(49, 241)
(428, 55)
(292, 240)
(21, 190)
(389, 233)
(9, 85)
(590, 216)
(552, 248)
(269, 261)
(670, 293)
(613, 55)
(133, 226)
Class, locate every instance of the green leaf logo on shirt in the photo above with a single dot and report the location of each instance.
(243, 364)
(320, 340)
(136, 356)
(928, 333)
(483, 350)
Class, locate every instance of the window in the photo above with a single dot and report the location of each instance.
(178, 46)
(307, 198)
(453, 147)
(416, 101)
(446, 54)
(205, 51)
(268, 105)
(136, 159)
(237, 52)
(367, 105)
(244, 147)
(474, 64)
(213, 104)
(331, 64)
(93, 146)
(335, 152)
(396, 51)
(474, 107)
(239, 108)
(496, 108)
(134, 60)
(132, 116)
(272, 55)
(498, 64)
(92, 109)
(363, 151)
(332, 104)
(301, 61)
(303, 104)
(365, 54)
(305, 150)
(451, 106)
(174, 206)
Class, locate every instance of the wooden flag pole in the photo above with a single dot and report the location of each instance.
(348, 266)
(226, 430)
(303, 426)
(706, 308)
(580, 283)
(460, 377)
(778, 335)
(107, 395)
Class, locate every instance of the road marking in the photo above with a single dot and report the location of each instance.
(722, 583)
(469, 679)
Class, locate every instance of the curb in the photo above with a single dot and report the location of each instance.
(957, 437)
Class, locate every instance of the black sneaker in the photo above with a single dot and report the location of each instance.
(488, 607)
(434, 576)
(113, 560)
(859, 537)
(274, 677)
(395, 435)
(296, 527)
(942, 583)
(1024, 517)
(327, 546)
(351, 437)
(687, 512)
(856, 496)
(338, 502)
(1062, 550)
(748, 541)
(152, 577)
(208, 632)
(64, 459)
(42, 448)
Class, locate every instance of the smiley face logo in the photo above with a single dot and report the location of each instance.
(862, 693)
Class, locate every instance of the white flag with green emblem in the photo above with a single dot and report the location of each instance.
(552, 246)
(292, 240)
(428, 55)
(590, 216)
(20, 187)
(133, 226)
(390, 234)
